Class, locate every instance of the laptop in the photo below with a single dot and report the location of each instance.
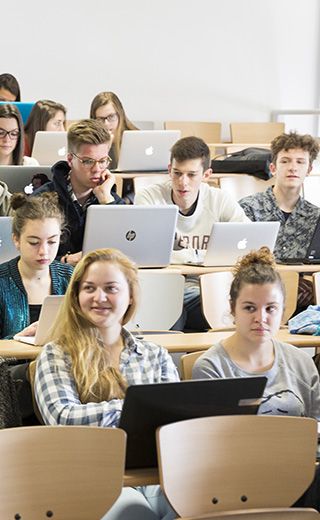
(50, 147)
(7, 248)
(48, 313)
(146, 407)
(18, 178)
(146, 150)
(313, 251)
(24, 108)
(143, 233)
(229, 241)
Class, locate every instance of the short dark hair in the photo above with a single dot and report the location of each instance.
(191, 148)
(87, 131)
(293, 140)
(10, 83)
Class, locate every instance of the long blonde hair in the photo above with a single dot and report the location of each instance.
(95, 379)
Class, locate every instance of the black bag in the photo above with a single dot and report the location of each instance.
(253, 161)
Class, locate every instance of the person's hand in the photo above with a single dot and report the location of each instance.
(103, 190)
(72, 259)
(30, 330)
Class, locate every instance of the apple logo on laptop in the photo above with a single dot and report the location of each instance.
(62, 151)
(242, 244)
(149, 150)
(130, 235)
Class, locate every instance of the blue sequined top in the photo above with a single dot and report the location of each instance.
(14, 307)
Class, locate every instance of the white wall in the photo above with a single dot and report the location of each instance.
(224, 60)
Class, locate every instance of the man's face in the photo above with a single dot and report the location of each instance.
(291, 168)
(186, 178)
(83, 177)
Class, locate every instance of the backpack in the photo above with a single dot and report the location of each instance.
(253, 161)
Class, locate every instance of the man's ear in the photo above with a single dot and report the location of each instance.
(170, 169)
(69, 159)
(272, 168)
(206, 175)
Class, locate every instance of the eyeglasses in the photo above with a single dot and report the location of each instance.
(13, 134)
(111, 118)
(90, 163)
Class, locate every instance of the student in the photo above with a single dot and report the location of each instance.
(257, 300)
(9, 88)
(46, 115)
(39, 179)
(83, 372)
(82, 180)
(199, 207)
(12, 138)
(27, 279)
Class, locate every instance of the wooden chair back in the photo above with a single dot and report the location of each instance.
(60, 471)
(209, 132)
(255, 132)
(242, 185)
(286, 513)
(144, 181)
(311, 189)
(186, 363)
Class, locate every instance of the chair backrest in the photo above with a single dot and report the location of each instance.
(186, 363)
(311, 189)
(316, 287)
(255, 132)
(74, 472)
(242, 185)
(160, 302)
(285, 513)
(236, 462)
(209, 132)
(144, 181)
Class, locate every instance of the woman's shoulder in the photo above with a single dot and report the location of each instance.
(62, 269)
(9, 267)
(294, 357)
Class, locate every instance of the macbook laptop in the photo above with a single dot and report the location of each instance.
(146, 150)
(48, 313)
(144, 233)
(230, 240)
(24, 108)
(50, 147)
(146, 407)
(7, 248)
(18, 178)
(313, 251)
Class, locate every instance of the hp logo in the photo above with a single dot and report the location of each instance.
(130, 235)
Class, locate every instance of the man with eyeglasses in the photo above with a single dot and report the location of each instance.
(82, 180)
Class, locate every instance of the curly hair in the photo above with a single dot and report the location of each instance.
(293, 140)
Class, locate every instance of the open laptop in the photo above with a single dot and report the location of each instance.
(7, 248)
(146, 407)
(313, 251)
(18, 178)
(23, 107)
(48, 313)
(146, 150)
(230, 240)
(144, 233)
(50, 147)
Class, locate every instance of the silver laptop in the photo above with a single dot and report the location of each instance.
(7, 248)
(48, 314)
(18, 178)
(146, 150)
(50, 147)
(144, 233)
(230, 240)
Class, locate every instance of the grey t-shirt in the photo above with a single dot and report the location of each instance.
(293, 381)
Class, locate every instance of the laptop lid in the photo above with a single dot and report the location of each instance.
(313, 252)
(230, 240)
(146, 407)
(144, 233)
(48, 313)
(18, 178)
(7, 248)
(50, 147)
(23, 107)
(146, 150)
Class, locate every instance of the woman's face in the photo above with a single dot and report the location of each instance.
(108, 115)
(104, 295)
(56, 123)
(8, 141)
(39, 242)
(258, 312)
(6, 95)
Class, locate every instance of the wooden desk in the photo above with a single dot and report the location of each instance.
(197, 269)
(17, 349)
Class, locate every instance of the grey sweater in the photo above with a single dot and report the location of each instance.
(293, 381)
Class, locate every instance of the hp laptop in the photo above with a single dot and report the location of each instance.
(24, 108)
(7, 248)
(18, 178)
(230, 240)
(146, 407)
(48, 313)
(313, 252)
(50, 147)
(146, 150)
(144, 233)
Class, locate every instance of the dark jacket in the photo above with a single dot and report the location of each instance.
(75, 215)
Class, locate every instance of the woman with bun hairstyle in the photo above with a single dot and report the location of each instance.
(46, 115)
(12, 138)
(257, 300)
(27, 279)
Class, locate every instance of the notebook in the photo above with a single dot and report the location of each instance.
(50, 147)
(313, 251)
(229, 241)
(143, 233)
(146, 407)
(48, 313)
(7, 248)
(24, 108)
(18, 178)
(146, 150)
